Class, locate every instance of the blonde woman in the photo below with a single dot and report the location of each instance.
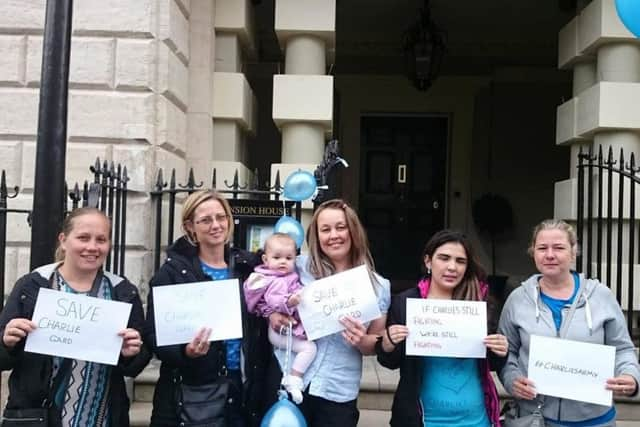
(337, 242)
(87, 394)
(203, 254)
(539, 306)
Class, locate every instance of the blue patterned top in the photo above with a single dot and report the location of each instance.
(233, 346)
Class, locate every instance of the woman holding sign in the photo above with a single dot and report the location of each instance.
(337, 242)
(442, 391)
(66, 391)
(230, 373)
(558, 302)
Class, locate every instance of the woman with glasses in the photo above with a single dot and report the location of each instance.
(203, 254)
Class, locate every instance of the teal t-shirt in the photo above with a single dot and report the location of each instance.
(233, 346)
(452, 394)
(556, 305)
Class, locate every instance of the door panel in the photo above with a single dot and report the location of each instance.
(403, 173)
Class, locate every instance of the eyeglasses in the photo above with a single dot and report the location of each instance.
(208, 220)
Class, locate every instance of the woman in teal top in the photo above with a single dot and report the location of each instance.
(442, 391)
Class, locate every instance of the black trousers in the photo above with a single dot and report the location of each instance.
(321, 412)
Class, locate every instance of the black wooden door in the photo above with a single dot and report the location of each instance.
(402, 190)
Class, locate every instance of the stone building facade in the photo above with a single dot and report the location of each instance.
(181, 84)
(157, 84)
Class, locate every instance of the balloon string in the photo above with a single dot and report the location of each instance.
(287, 356)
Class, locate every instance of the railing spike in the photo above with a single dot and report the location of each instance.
(159, 180)
(3, 185)
(236, 184)
(172, 182)
(191, 182)
(213, 179)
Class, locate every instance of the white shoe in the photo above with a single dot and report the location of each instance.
(294, 386)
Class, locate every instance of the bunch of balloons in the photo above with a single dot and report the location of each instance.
(299, 186)
(629, 13)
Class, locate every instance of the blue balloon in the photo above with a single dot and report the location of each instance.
(283, 414)
(299, 186)
(629, 13)
(292, 227)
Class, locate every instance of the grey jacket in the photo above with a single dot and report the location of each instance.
(598, 319)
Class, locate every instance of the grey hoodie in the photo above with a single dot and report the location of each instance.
(598, 319)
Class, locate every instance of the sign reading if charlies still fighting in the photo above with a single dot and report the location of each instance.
(448, 328)
(260, 208)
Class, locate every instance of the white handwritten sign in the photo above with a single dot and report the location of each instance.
(559, 368)
(181, 310)
(77, 327)
(448, 328)
(326, 301)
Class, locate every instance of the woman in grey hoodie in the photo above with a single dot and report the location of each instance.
(537, 308)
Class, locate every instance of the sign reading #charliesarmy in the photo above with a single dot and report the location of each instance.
(558, 367)
(78, 327)
(447, 328)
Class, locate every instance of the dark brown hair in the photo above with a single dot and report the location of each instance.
(469, 287)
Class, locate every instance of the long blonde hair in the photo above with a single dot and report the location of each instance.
(68, 223)
(319, 263)
(190, 205)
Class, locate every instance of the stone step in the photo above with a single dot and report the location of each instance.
(377, 388)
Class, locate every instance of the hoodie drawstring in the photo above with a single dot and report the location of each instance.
(537, 296)
(587, 310)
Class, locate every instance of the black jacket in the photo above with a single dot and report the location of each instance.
(183, 266)
(406, 411)
(29, 380)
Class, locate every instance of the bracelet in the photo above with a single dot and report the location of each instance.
(390, 340)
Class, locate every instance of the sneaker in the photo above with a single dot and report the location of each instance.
(294, 386)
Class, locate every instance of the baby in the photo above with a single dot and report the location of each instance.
(275, 287)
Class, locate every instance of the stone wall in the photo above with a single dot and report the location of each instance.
(128, 102)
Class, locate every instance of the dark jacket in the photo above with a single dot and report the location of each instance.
(407, 409)
(183, 266)
(29, 380)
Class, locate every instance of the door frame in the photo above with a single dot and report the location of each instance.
(447, 174)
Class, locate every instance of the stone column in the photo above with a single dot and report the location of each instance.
(603, 112)
(303, 97)
(233, 102)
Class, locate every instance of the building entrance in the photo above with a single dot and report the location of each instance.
(402, 189)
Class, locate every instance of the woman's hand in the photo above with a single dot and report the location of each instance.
(393, 336)
(199, 346)
(498, 344)
(280, 322)
(523, 388)
(354, 331)
(16, 330)
(622, 385)
(131, 342)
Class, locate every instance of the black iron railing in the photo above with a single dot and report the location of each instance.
(601, 229)
(234, 192)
